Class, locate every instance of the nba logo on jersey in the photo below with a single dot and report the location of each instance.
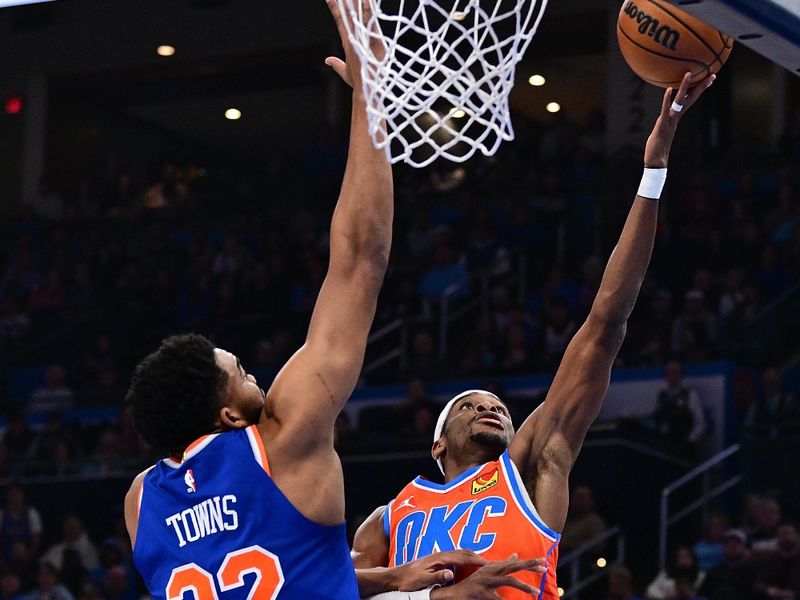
(191, 486)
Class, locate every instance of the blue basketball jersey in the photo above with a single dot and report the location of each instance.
(216, 527)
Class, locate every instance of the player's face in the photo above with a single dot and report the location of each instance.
(244, 395)
(480, 419)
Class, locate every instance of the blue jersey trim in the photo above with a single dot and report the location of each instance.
(524, 501)
(446, 487)
(387, 529)
(544, 575)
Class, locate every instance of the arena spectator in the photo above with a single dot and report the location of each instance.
(423, 422)
(753, 504)
(61, 462)
(74, 537)
(14, 322)
(774, 410)
(114, 572)
(54, 431)
(651, 332)
(697, 320)
(779, 569)
(685, 589)
(424, 360)
(10, 586)
(54, 395)
(416, 413)
(765, 536)
(620, 585)
(679, 415)
(557, 331)
(101, 373)
(23, 564)
(446, 272)
(421, 236)
(18, 435)
(683, 568)
(73, 574)
(583, 523)
(733, 295)
(517, 358)
(20, 525)
(90, 592)
(710, 549)
(49, 586)
(735, 577)
(115, 585)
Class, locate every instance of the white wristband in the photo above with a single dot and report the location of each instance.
(652, 183)
(420, 595)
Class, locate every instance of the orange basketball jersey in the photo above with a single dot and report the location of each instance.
(485, 509)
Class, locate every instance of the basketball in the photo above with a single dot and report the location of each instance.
(662, 43)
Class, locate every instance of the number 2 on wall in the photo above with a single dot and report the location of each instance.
(264, 564)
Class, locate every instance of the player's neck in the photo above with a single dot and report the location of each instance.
(454, 468)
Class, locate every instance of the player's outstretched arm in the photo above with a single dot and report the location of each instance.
(312, 388)
(548, 443)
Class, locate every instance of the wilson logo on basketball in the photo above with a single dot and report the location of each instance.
(662, 34)
(484, 482)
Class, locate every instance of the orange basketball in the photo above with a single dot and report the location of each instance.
(661, 43)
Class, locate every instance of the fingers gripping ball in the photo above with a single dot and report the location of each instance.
(661, 43)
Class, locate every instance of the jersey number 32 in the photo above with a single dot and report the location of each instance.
(264, 564)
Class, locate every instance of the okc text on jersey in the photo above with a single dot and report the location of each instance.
(422, 533)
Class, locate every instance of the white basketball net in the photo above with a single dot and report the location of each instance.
(437, 74)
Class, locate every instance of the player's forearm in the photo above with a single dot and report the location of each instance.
(361, 229)
(627, 266)
(375, 580)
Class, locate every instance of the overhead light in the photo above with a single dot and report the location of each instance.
(166, 50)
(560, 592)
(233, 114)
(457, 113)
(553, 107)
(537, 80)
(7, 3)
(601, 562)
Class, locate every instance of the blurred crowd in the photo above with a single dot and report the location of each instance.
(245, 265)
(62, 563)
(756, 557)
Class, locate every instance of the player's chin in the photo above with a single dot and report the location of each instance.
(491, 439)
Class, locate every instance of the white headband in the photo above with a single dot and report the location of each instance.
(437, 433)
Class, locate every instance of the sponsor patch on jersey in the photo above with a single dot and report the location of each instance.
(485, 481)
(191, 485)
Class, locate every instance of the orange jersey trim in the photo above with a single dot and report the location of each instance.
(259, 451)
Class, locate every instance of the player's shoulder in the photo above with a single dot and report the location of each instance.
(134, 492)
(132, 503)
(371, 529)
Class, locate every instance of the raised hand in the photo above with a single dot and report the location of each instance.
(483, 583)
(656, 152)
(349, 69)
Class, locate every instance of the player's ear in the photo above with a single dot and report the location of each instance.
(230, 418)
(438, 449)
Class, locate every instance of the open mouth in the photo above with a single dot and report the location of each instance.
(491, 420)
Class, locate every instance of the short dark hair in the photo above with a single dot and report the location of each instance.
(176, 393)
